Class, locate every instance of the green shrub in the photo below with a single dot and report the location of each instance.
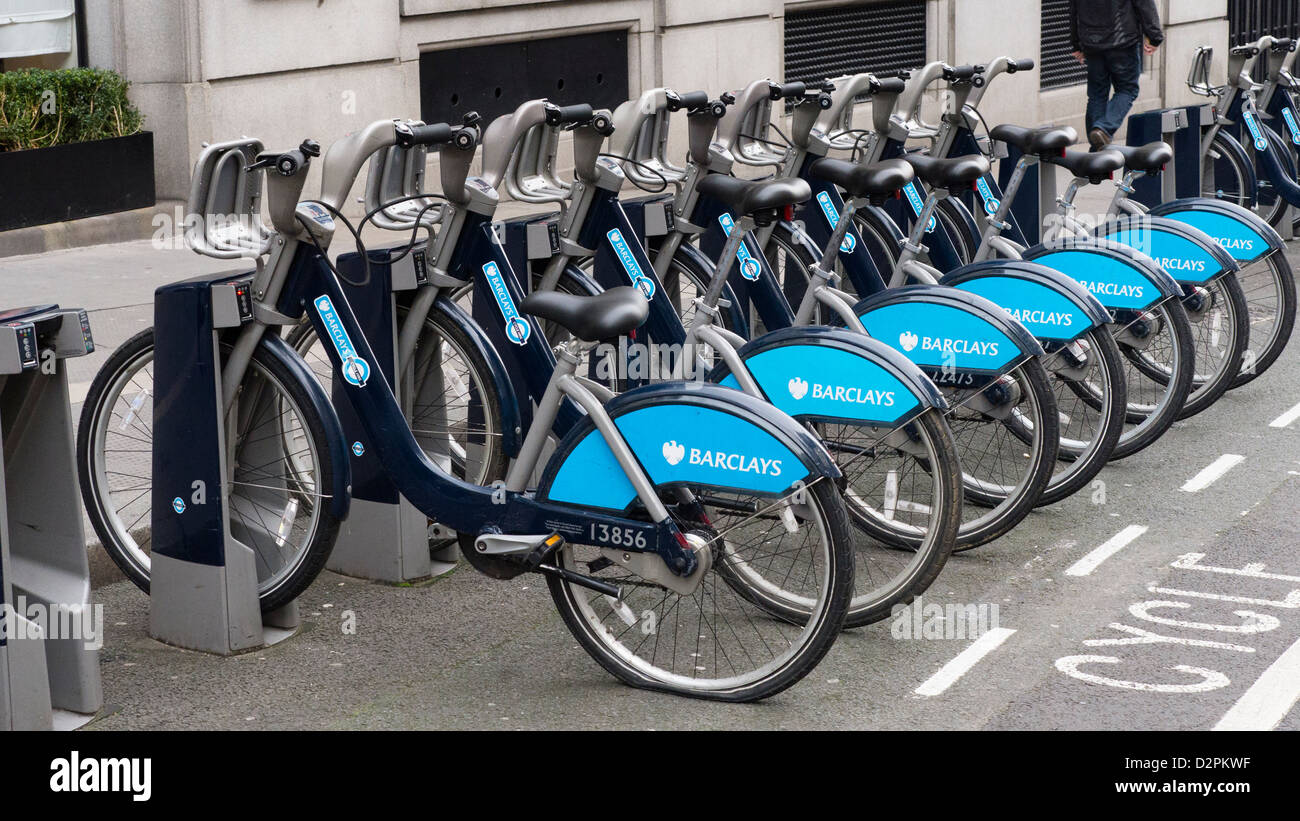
(85, 104)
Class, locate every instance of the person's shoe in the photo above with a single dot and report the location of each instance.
(1098, 139)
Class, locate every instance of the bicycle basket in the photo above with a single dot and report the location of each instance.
(396, 174)
(224, 209)
(530, 176)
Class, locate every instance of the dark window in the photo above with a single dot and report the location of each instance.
(1249, 20)
(879, 37)
(1059, 69)
(493, 80)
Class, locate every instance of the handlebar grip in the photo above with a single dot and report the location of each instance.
(568, 114)
(1020, 65)
(960, 72)
(784, 91)
(690, 100)
(432, 134)
(889, 85)
(1283, 44)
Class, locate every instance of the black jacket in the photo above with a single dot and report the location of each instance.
(1102, 25)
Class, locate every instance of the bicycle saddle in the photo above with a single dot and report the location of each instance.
(861, 180)
(947, 173)
(1045, 140)
(754, 196)
(590, 318)
(1095, 165)
(1149, 158)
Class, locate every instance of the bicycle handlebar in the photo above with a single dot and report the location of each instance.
(568, 114)
(690, 100)
(784, 91)
(1019, 65)
(888, 85)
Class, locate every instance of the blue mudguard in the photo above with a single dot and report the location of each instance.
(1243, 234)
(835, 375)
(686, 433)
(340, 457)
(1051, 305)
(952, 335)
(1187, 254)
(1121, 278)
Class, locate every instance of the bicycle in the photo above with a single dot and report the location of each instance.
(635, 530)
(894, 448)
(1010, 482)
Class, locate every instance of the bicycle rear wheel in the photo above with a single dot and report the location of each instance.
(770, 601)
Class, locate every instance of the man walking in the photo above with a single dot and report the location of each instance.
(1110, 37)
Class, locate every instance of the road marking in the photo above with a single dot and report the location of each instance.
(964, 661)
(1286, 418)
(1211, 473)
(1270, 698)
(1108, 548)
(77, 392)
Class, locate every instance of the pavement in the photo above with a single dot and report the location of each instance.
(1142, 603)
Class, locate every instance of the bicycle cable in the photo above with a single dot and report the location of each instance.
(663, 181)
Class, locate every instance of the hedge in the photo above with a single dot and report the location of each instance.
(87, 104)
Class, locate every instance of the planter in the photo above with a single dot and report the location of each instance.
(68, 182)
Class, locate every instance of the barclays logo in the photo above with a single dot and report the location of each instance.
(840, 393)
(355, 370)
(674, 452)
(908, 341)
(518, 330)
(1194, 265)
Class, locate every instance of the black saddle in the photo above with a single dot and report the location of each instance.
(1048, 139)
(1094, 165)
(948, 172)
(590, 318)
(1150, 158)
(860, 180)
(755, 197)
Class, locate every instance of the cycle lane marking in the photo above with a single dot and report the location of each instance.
(962, 663)
(1212, 472)
(1105, 550)
(1266, 702)
(1286, 418)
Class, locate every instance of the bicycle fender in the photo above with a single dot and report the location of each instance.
(1187, 254)
(1050, 304)
(947, 331)
(686, 433)
(1120, 277)
(1243, 234)
(512, 422)
(835, 375)
(340, 458)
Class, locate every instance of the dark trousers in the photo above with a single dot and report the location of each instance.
(1119, 69)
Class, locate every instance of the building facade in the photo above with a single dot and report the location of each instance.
(204, 70)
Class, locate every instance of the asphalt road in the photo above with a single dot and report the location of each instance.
(1190, 620)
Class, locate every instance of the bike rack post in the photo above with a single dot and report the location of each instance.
(49, 633)
(385, 537)
(204, 586)
(1181, 129)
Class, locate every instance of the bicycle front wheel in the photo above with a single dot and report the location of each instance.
(280, 483)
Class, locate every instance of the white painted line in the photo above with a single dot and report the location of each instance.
(1108, 548)
(77, 392)
(966, 659)
(1211, 473)
(1270, 698)
(1286, 418)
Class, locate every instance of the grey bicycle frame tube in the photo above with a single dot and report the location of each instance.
(564, 383)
